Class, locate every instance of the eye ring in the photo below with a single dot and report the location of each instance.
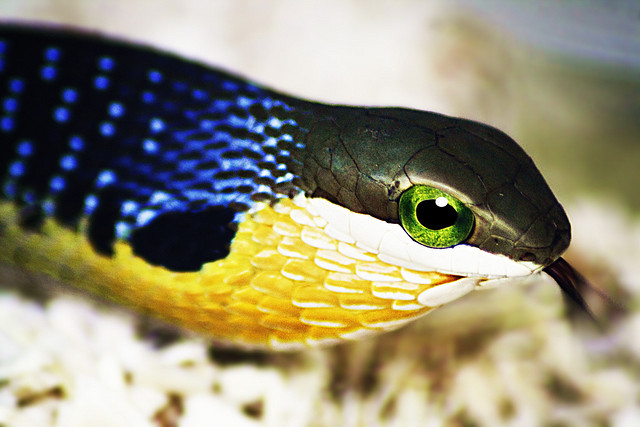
(434, 218)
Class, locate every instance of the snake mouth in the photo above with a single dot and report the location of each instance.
(570, 281)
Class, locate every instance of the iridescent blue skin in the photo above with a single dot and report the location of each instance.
(151, 148)
(169, 154)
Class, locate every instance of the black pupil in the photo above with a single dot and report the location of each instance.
(434, 217)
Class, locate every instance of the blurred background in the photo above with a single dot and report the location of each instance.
(561, 77)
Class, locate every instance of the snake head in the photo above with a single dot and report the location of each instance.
(367, 160)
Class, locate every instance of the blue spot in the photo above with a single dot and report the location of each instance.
(122, 230)
(52, 54)
(10, 190)
(207, 124)
(10, 105)
(3, 46)
(105, 63)
(48, 207)
(90, 203)
(286, 178)
(25, 148)
(6, 124)
(274, 123)
(259, 128)
(269, 158)
(129, 207)
(76, 143)
(230, 86)
(107, 129)
(199, 94)
(144, 217)
(179, 86)
(48, 72)
(148, 97)
(57, 183)
(16, 85)
(61, 114)
(267, 103)
(69, 95)
(16, 169)
(106, 177)
(287, 137)
(244, 102)
(236, 121)
(221, 104)
(68, 162)
(264, 173)
(252, 88)
(159, 197)
(150, 146)
(155, 76)
(101, 82)
(156, 125)
(116, 109)
(29, 196)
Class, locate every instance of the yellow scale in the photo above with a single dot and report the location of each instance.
(285, 282)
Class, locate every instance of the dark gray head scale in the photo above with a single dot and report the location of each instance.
(364, 159)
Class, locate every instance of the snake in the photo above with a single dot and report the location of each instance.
(249, 216)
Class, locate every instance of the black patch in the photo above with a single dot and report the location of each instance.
(257, 137)
(279, 112)
(271, 150)
(285, 145)
(251, 154)
(266, 165)
(231, 154)
(225, 174)
(259, 112)
(238, 206)
(244, 189)
(182, 176)
(102, 231)
(203, 185)
(31, 217)
(70, 203)
(218, 145)
(200, 136)
(262, 197)
(238, 112)
(247, 173)
(190, 155)
(272, 132)
(183, 241)
(207, 165)
(263, 180)
(237, 133)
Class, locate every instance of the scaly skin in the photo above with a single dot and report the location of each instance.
(241, 213)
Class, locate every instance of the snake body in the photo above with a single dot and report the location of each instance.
(247, 215)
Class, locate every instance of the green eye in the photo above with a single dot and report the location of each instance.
(434, 218)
